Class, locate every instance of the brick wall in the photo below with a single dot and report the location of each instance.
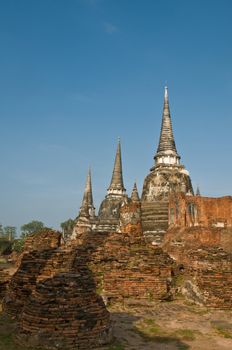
(187, 211)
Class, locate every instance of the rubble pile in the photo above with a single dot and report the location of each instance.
(55, 300)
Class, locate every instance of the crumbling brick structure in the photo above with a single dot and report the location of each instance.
(211, 272)
(200, 239)
(38, 249)
(130, 269)
(65, 312)
(123, 264)
(188, 211)
(54, 297)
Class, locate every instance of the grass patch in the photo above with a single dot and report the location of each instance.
(116, 347)
(224, 333)
(147, 327)
(6, 340)
(150, 322)
(153, 335)
(186, 334)
(196, 309)
(179, 280)
(182, 347)
(150, 331)
(162, 339)
(224, 329)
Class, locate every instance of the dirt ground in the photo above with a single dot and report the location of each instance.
(156, 326)
(171, 326)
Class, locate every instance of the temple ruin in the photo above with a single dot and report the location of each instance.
(168, 215)
(167, 175)
(135, 248)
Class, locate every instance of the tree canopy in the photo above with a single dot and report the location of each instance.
(8, 232)
(31, 227)
(67, 227)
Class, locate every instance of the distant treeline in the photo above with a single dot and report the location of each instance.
(10, 242)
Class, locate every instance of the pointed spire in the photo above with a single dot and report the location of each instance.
(166, 142)
(116, 185)
(167, 146)
(198, 193)
(87, 207)
(135, 194)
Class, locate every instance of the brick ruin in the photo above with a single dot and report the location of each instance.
(209, 281)
(129, 269)
(53, 295)
(196, 221)
(199, 238)
(38, 249)
(188, 211)
(123, 264)
(65, 312)
(53, 292)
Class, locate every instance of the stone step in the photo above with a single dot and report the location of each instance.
(152, 216)
(159, 227)
(154, 204)
(152, 224)
(156, 210)
(154, 220)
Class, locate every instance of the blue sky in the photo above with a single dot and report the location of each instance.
(76, 74)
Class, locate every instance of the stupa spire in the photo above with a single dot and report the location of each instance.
(116, 186)
(87, 207)
(135, 194)
(166, 151)
(198, 193)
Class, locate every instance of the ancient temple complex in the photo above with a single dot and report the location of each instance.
(166, 175)
(166, 243)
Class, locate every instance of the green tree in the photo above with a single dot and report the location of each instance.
(18, 245)
(67, 227)
(10, 233)
(5, 246)
(1, 231)
(32, 227)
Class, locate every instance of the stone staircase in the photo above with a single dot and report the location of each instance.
(154, 220)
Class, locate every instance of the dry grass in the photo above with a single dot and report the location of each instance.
(149, 330)
(115, 347)
(224, 329)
